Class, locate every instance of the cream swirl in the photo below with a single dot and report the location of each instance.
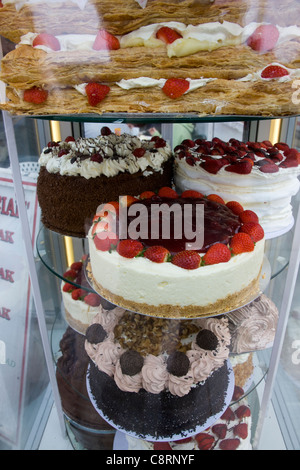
(125, 382)
(201, 365)
(107, 355)
(180, 386)
(154, 374)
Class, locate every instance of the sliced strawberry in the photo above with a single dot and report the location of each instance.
(241, 243)
(269, 167)
(242, 167)
(167, 35)
(216, 198)
(237, 393)
(192, 194)
(274, 71)
(106, 41)
(248, 216)
(35, 95)
(264, 38)
(228, 415)
(157, 254)
(129, 248)
(241, 430)
(220, 430)
(175, 87)
(161, 446)
(212, 166)
(253, 229)
(205, 441)
(235, 207)
(187, 259)
(229, 444)
(105, 241)
(48, 40)
(243, 411)
(147, 194)
(96, 92)
(165, 191)
(78, 294)
(218, 253)
(92, 299)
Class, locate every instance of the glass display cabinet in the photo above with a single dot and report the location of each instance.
(43, 346)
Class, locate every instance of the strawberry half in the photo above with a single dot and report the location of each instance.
(264, 38)
(157, 254)
(129, 248)
(229, 444)
(187, 259)
(243, 411)
(35, 95)
(48, 40)
(96, 92)
(175, 87)
(161, 446)
(218, 253)
(106, 41)
(205, 441)
(274, 71)
(220, 430)
(241, 430)
(241, 243)
(167, 35)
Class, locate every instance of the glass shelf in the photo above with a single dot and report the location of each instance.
(154, 117)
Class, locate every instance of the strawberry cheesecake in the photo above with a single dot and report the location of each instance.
(77, 175)
(158, 377)
(261, 176)
(175, 273)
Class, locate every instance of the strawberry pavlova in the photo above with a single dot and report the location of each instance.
(80, 304)
(162, 276)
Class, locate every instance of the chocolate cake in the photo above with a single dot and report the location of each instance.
(90, 429)
(77, 176)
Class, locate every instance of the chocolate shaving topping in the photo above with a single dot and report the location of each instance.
(178, 364)
(131, 362)
(95, 333)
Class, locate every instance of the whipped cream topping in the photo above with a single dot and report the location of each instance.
(116, 156)
(253, 327)
(21, 3)
(256, 76)
(154, 376)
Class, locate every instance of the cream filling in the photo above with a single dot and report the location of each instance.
(143, 281)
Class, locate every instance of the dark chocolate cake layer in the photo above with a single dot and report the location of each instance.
(162, 415)
(68, 203)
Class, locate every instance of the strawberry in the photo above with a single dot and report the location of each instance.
(192, 194)
(161, 446)
(106, 41)
(216, 198)
(167, 35)
(105, 241)
(218, 253)
(237, 393)
(269, 168)
(205, 441)
(253, 229)
(96, 92)
(228, 415)
(241, 243)
(70, 138)
(187, 259)
(48, 40)
(70, 274)
(165, 191)
(147, 194)
(220, 430)
(157, 254)
(212, 166)
(92, 299)
(264, 38)
(129, 248)
(101, 226)
(243, 411)
(282, 146)
(35, 95)
(96, 157)
(76, 266)
(242, 167)
(241, 430)
(235, 207)
(61, 153)
(274, 71)
(248, 216)
(175, 87)
(68, 287)
(78, 294)
(229, 444)
(139, 152)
